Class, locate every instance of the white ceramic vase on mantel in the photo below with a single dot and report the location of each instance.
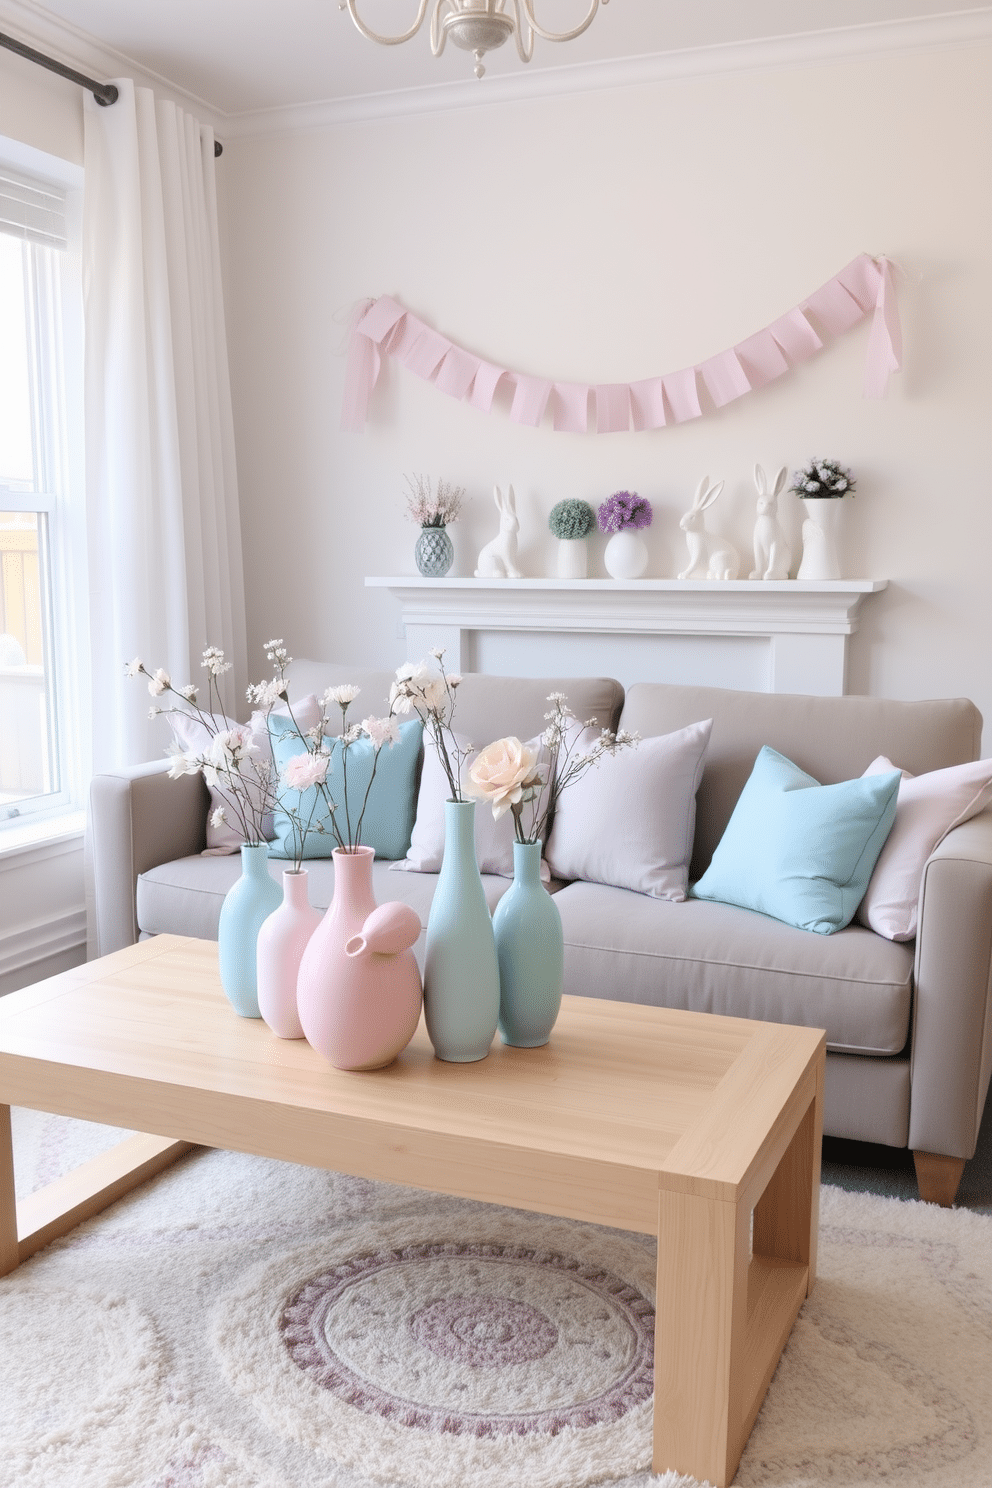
(626, 555)
(572, 558)
(821, 534)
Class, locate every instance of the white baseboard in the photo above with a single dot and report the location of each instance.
(29, 946)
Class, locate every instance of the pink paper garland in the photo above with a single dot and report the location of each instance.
(383, 327)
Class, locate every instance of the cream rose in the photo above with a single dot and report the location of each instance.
(502, 772)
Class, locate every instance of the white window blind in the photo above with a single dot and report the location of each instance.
(32, 209)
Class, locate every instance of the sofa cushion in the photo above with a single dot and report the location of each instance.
(488, 707)
(716, 958)
(929, 806)
(628, 820)
(388, 814)
(184, 897)
(831, 738)
(798, 850)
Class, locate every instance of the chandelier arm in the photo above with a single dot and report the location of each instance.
(535, 25)
(351, 6)
(523, 32)
(438, 34)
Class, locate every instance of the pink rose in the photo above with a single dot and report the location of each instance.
(502, 772)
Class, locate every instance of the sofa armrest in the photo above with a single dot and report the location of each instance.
(952, 1018)
(138, 818)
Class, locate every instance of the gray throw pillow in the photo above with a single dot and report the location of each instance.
(629, 820)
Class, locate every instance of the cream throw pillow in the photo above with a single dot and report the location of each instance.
(927, 808)
(629, 820)
(493, 839)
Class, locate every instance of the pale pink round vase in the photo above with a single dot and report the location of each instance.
(359, 992)
(282, 939)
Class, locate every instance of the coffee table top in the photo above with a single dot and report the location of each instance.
(625, 1099)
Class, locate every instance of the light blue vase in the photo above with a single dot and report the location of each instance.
(247, 903)
(461, 975)
(531, 953)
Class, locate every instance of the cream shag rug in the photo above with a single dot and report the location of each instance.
(241, 1323)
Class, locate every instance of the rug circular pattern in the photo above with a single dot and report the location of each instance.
(433, 1352)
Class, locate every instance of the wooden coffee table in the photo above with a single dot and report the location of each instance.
(704, 1131)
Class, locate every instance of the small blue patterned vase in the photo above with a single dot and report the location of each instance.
(530, 949)
(247, 903)
(434, 552)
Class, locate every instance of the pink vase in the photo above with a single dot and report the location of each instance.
(282, 940)
(359, 992)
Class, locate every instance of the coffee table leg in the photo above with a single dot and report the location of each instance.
(56, 1209)
(8, 1206)
(699, 1332)
(723, 1314)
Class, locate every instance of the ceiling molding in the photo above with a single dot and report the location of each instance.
(45, 32)
(848, 43)
(39, 28)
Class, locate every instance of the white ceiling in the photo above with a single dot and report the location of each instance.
(243, 56)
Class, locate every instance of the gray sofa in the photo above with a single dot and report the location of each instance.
(909, 1025)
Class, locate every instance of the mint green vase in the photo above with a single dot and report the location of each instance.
(247, 903)
(461, 974)
(531, 953)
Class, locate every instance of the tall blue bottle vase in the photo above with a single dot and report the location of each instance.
(247, 903)
(461, 973)
(531, 953)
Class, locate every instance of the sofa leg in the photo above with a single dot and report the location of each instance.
(938, 1177)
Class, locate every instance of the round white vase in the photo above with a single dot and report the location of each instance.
(821, 534)
(626, 555)
(572, 558)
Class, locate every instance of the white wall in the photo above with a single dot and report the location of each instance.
(39, 109)
(610, 236)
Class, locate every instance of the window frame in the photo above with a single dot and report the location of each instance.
(53, 284)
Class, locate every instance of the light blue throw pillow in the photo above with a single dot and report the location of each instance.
(392, 802)
(800, 851)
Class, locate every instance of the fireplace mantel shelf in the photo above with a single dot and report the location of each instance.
(662, 606)
(806, 624)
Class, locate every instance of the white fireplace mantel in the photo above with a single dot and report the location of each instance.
(805, 625)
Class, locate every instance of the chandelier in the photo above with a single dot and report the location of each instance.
(477, 26)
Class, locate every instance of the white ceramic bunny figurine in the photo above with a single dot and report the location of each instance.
(498, 559)
(710, 557)
(772, 553)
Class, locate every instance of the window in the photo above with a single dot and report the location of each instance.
(40, 382)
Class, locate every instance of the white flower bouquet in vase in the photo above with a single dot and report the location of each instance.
(358, 991)
(821, 486)
(461, 973)
(528, 781)
(235, 761)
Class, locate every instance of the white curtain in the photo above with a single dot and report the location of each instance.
(164, 538)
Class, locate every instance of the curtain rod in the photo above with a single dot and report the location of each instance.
(104, 93)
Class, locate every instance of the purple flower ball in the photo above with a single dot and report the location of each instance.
(624, 509)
